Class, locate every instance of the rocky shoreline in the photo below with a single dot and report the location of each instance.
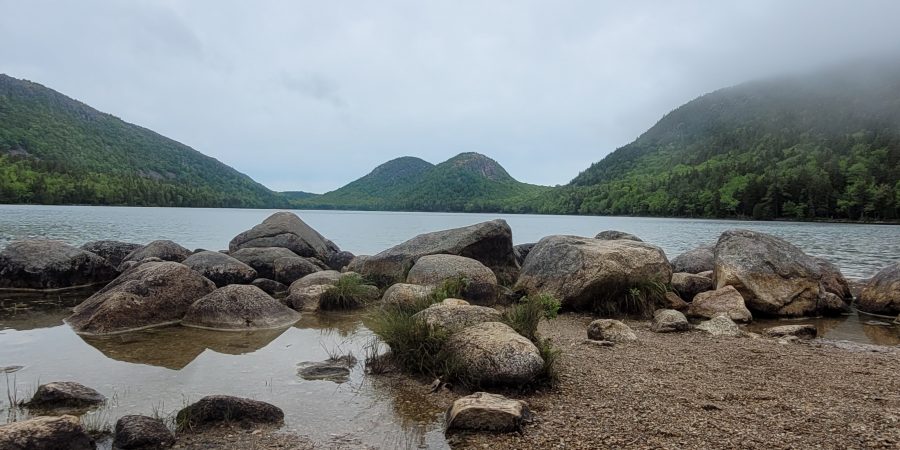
(676, 362)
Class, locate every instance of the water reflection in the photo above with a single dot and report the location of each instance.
(853, 327)
(175, 347)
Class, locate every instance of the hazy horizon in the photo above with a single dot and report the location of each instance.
(309, 97)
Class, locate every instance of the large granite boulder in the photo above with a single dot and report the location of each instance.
(610, 330)
(725, 301)
(488, 242)
(881, 295)
(48, 265)
(65, 394)
(290, 269)
(400, 294)
(521, 251)
(773, 276)
(453, 315)
(688, 285)
(339, 260)
(479, 281)
(492, 353)
(163, 249)
(262, 259)
(239, 307)
(220, 268)
(487, 412)
(113, 251)
(833, 280)
(142, 433)
(45, 433)
(578, 270)
(149, 295)
(285, 230)
(214, 409)
(700, 259)
(613, 235)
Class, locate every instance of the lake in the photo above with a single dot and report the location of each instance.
(159, 370)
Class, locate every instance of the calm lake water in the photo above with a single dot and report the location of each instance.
(162, 369)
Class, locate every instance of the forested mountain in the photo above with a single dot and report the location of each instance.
(56, 150)
(468, 182)
(823, 145)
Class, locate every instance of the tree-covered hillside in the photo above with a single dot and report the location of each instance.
(821, 146)
(468, 182)
(56, 150)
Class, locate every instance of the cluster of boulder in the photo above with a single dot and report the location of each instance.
(55, 428)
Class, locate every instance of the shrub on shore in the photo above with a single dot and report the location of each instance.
(638, 300)
(349, 292)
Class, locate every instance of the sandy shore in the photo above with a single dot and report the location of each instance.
(680, 391)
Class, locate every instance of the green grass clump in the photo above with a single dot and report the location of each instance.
(349, 292)
(525, 316)
(630, 300)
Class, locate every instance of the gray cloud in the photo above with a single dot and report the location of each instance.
(310, 95)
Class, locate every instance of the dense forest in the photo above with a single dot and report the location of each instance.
(56, 150)
(822, 146)
(468, 182)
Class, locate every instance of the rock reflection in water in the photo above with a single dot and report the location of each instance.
(175, 347)
(24, 311)
(853, 327)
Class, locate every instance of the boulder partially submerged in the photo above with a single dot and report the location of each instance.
(149, 295)
(578, 271)
(881, 294)
(64, 394)
(51, 265)
(479, 282)
(239, 307)
(488, 242)
(214, 409)
(772, 275)
(220, 268)
(286, 230)
(141, 433)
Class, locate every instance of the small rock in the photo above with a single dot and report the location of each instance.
(598, 343)
(489, 412)
(669, 320)
(332, 369)
(798, 331)
(720, 326)
(142, 432)
(726, 300)
(225, 408)
(64, 394)
(610, 330)
(45, 433)
(492, 353)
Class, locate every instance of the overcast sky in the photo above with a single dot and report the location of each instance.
(311, 95)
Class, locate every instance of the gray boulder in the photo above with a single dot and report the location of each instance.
(833, 280)
(610, 330)
(482, 411)
(262, 259)
(149, 295)
(45, 433)
(128, 265)
(488, 242)
(405, 294)
(49, 265)
(720, 326)
(290, 269)
(214, 409)
(725, 301)
(881, 294)
(613, 235)
(113, 251)
(163, 249)
(521, 251)
(220, 268)
(453, 315)
(306, 294)
(798, 331)
(492, 353)
(326, 277)
(773, 276)
(688, 285)
(480, 282)
(339, 260)
(141, 433)
(239, 307)
(306, 298)
(65, 394)
(668, 321)
(333, 369)
(270, 287)
(578, 270)
(285, 230)
(698, 260)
